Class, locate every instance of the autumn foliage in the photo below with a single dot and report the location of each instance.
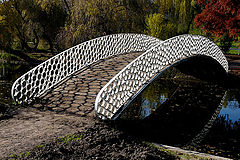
(219, 17)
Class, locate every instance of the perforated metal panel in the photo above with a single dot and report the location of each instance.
(122, 88)
(44, 76)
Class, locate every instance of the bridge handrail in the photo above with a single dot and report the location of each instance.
(123, 87)
(49, 73)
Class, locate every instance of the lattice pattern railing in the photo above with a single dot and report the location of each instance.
(44, 76)
(119, 91)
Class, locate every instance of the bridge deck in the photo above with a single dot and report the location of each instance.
(77, 95)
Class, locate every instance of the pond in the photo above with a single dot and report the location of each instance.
(182, 111)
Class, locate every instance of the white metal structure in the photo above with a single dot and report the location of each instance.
(49, 73)
(130, 81)
(115, 96)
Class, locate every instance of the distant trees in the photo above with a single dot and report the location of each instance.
(94, 18)
(24, 22)
(16, 27)
(90, 19)
(220, 18)
(172, 17)
(50, 17)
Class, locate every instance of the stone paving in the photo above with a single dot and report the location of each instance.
(77, 94)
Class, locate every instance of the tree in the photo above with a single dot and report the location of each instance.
(159, 27)
(221, 19)
(94, 18)
(50, 16)
(24, 22)
(90, 19)
(172, 18)
(16, 28)
(136, 12)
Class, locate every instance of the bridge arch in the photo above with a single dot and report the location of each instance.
(41, 78)
(202, 67)
(123, 87)
(115, 96)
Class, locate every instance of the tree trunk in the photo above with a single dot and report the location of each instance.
(50, 44)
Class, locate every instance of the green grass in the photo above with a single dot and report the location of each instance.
(40, 146)
(234, 44)
(22, 155)
(69, 138)
(233, 52)
(13, 155)
(65, 139)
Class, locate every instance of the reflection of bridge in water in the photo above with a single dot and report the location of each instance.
(110, 71)
(191, 108)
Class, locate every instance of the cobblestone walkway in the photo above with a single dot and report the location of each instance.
(75, 98)
(77, 95)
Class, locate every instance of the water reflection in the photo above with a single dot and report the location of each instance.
(230, 109)
(183, 111)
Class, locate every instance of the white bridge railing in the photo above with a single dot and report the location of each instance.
(121, 89)
(49, 73)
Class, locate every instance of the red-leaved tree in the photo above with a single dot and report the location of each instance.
(219, 17)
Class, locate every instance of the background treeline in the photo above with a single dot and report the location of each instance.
(54, 25)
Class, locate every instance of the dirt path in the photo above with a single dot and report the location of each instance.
(67, 109)
(31, 127)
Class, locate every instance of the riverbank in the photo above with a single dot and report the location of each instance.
(71, 137)
(37, 135)
(32, 133)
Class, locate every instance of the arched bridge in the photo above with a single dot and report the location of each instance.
(108, 72)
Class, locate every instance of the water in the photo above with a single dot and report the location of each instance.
(187, 113)
(8, 74)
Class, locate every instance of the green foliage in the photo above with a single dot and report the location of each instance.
(95, 18)
(50, 16)
(90, 19)
(173, 17)
(158, 27)
(24, 22)
(235, 44)
(196, 31)
(225, 43)
(22, 155)
(8, 57)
